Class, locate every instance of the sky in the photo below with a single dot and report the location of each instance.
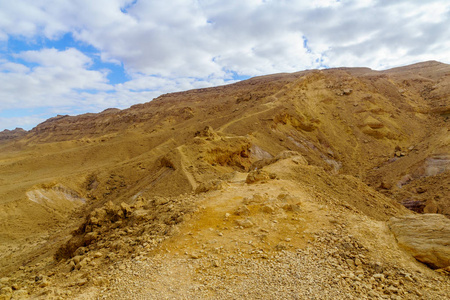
(78, 56)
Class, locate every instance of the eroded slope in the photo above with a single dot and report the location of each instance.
(371, 140)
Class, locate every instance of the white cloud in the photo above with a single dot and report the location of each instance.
(70, 58)
(26, 122)
(53, 82)
(182, 38)
(10, 67)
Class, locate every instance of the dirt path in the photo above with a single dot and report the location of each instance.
(184, 163)
(225, 126)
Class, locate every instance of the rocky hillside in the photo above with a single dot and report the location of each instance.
(285, 186)
(8, 135)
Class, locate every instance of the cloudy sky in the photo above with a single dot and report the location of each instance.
(77, 56)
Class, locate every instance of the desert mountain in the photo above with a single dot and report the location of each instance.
(282, 186)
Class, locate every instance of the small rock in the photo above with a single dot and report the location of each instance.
(421, 190)
(373, 294)
(82, 282)
(246, 223)
(391, 289)
(347, 91)
(82, 264)
(77, 259)
(409, 278)
(44, 283)
(242, 211)
(257, 198)
(268, 209)
(385, 185)
(72, 265)
(379, 277)
(350, 262)
(280, 247)
(99, 281)
(126, 209)
(216, 263)
(257, 175)
(291, 207)
(139, 203)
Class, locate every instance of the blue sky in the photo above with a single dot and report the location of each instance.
(73, 57)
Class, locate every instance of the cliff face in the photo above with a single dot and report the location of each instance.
(371, 139)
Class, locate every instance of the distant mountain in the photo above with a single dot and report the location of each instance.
(12, 134)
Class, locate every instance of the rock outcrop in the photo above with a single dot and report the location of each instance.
(426, 237)
(7, 135)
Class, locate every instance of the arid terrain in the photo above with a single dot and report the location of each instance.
(320, 184)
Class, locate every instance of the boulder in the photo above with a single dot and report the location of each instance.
(426, 237)
(213, 185)
(242, 211)
(127, 211)
(245, 223)
(288, 154)
(259, 175)
(208, 133)
(296, 158)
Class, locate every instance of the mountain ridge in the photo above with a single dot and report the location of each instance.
(421, 65)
